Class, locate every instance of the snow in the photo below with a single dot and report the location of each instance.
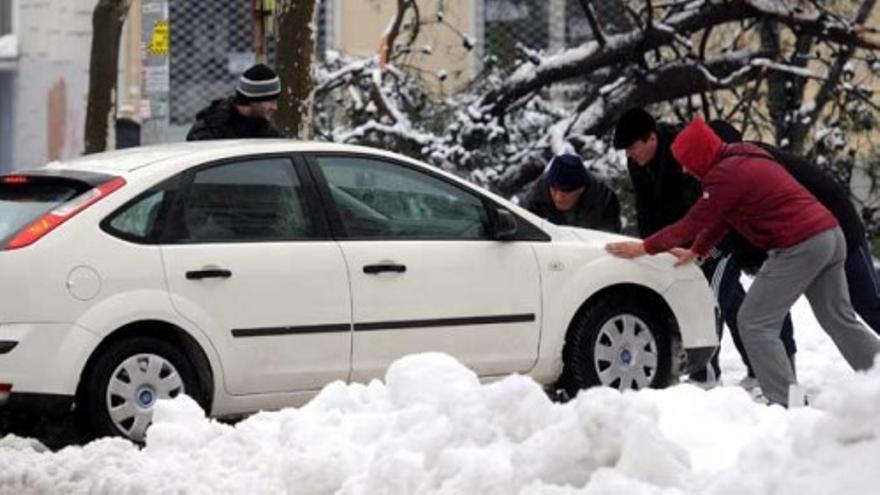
(8, 46)
(432, 427)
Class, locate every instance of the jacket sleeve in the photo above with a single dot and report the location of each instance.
(201, 132)
(709, 238)
(704, 221)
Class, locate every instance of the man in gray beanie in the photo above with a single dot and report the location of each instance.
(247, 114)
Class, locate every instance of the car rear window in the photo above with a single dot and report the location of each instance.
(24, 199)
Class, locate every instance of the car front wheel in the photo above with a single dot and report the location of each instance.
(126, 381)
(618, 343)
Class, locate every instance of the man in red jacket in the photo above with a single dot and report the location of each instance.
(745, 189)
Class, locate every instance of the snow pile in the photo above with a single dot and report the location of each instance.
(8, 46)
(432, 427)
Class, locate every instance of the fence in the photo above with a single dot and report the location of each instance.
(212, 42)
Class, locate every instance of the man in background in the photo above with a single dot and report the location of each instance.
(568, 194)
(246, 114)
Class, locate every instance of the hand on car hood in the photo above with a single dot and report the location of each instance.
(598, 239)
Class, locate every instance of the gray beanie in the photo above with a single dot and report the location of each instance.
(259, 83)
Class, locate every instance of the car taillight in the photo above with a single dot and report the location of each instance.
(45, 224)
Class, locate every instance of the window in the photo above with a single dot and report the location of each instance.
(25, 202)
(258, 200)
(136, 220)
(142, 219)
(378, 199)
(5, 17)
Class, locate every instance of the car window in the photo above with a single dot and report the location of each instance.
(379, 199)
(24, 201)
(255, 200)
(137, 220)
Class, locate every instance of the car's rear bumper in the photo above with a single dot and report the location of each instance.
(43, 358)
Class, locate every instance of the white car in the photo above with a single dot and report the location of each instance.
(249, 274)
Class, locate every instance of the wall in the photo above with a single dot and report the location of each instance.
(359, 26)
(52, 80)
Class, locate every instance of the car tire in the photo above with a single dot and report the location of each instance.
(126, 380)
(620, 343)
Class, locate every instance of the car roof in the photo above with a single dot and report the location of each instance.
(131, 159)
(123, 162)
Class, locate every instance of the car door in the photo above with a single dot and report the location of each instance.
(425, 273)
(250, 262)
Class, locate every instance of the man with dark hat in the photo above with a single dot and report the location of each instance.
(745, 189)
(664, 194)
(568, 194)
(247, 114)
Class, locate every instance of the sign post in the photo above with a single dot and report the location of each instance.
(156, 46)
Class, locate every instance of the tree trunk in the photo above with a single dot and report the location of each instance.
(295, 55)
(107, 21)
(777, 100)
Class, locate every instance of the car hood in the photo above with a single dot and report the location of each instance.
(564, 233)
(596, 239)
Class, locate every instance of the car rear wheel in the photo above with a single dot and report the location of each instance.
(617, 343)
(128, 378)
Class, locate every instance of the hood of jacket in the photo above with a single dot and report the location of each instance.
(697, 148)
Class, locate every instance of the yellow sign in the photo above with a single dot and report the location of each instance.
(160, 41)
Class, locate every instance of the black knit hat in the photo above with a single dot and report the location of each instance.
(633, 125)
(259, 83)
(567, 172)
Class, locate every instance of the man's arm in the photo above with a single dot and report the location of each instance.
(200, 131)
(708, 214)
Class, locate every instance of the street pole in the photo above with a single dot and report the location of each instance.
(155, 102)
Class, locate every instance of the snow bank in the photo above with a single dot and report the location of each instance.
(432, 427)
(8, 46)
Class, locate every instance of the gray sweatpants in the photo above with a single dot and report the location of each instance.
(815, 268)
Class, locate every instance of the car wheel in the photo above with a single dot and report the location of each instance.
(617, 343)
(126, 381)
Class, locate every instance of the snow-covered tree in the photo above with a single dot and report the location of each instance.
(800, 74)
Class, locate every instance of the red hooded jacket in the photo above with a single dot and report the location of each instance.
(743, 188)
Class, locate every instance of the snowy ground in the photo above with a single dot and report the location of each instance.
(433, 428)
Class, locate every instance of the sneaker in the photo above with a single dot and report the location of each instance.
(749, 383)
(758, 396)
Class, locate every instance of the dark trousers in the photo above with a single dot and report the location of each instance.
(864, 286)
(723, 274)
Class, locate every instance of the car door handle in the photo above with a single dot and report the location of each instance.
(384, 267)
(209, 273)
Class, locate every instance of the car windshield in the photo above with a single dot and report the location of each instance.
(23, 201)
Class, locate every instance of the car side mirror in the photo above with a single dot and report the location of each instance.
(505, 225)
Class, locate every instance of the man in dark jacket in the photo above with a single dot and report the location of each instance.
(568, 194)
(744, 189)
(664, 193)
(247, 114)
(864, 286)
